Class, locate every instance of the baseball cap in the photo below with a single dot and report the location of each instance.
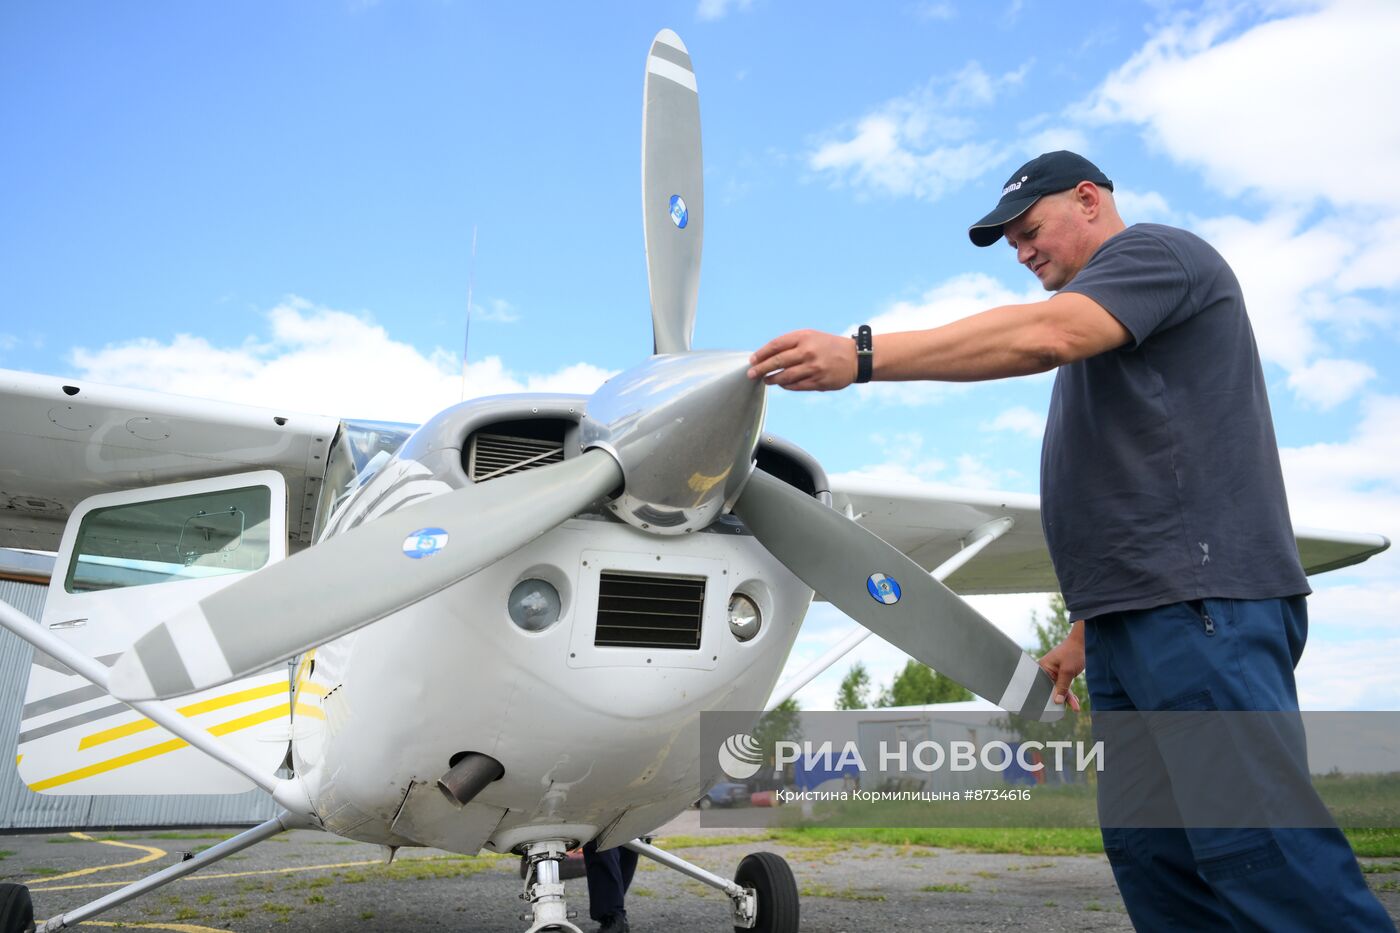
(1049, 173)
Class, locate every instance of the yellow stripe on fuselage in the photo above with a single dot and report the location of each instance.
(153, 751)
(193, 709)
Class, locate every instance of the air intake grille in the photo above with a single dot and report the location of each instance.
(493, 455)
(640, 611)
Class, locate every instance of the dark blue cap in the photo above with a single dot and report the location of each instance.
(1050, 173)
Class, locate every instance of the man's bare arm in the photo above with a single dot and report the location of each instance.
(1012, 340)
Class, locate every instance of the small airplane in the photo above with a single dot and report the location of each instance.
(497, 629)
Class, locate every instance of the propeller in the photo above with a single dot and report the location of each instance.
(676, 434)
(321, 593)
(673, 209)
(875, 584)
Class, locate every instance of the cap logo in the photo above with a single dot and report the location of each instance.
(1014, 186)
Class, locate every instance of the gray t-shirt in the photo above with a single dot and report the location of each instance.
(1159, 474)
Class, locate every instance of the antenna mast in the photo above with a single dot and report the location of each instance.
(467, 328)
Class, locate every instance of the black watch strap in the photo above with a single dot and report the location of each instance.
(865, 353)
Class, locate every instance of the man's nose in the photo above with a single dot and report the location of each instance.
(1024, 252)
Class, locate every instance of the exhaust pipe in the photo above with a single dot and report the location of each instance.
(468, 775)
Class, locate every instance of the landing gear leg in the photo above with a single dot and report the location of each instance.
(544, 890)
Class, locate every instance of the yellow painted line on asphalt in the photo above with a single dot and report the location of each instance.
(199, 875)
(152, 853)
(177, 927)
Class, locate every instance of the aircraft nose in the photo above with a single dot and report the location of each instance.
(683, 428)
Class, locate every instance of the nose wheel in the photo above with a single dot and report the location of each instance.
(775, 892)
(544, 888)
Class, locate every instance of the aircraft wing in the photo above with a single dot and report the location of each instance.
(62, 440)
(932, 523)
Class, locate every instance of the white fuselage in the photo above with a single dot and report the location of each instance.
(594, 740)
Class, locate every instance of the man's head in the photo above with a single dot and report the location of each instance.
(1055, 211)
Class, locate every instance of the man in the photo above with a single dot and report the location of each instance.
(609, 876)
(1163, 507)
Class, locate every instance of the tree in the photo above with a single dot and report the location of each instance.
(919, 685)
(781, 723)
(855, 688)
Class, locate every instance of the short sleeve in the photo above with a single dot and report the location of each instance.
(1140, 280)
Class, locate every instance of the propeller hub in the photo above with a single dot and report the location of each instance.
(683, 427)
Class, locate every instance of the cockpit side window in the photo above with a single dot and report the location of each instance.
(141, 543)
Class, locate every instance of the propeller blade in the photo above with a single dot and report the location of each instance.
(673, 210)
(895, 598)
(355, 578)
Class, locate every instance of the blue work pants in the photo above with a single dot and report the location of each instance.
(1219, 654)
(609, 876)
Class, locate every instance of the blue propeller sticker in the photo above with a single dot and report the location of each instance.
(425, 542)
(883, 589)
(680, 216)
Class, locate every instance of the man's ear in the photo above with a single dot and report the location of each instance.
(1089, 197)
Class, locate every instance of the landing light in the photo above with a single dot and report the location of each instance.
(744, 617)
(534, 605)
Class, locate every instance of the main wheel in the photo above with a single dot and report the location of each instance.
(16, 909)
(772, 881)
(705, 803)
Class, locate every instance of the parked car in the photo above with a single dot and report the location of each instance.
(724, 794)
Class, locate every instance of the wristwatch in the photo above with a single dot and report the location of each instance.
(865, 353)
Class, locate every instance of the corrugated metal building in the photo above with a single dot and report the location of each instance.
(22, 810)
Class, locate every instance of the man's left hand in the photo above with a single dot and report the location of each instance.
(806, 360)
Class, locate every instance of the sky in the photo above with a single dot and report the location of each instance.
(276, 204)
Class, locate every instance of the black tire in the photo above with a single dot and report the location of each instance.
(16, 909)
(772, 881)
(705, 803)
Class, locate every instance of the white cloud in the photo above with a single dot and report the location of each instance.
(1292, 108)
(1140, 206)
(1326, 384)
(1288, 275)
(1287, 112)
(917, 145)
(951, 300)
(718, 9)
(320, 360)
(1357, 675)
(937, 10)
(1018, 420)
(1351, 484)
(1055, 138)
(496, 310)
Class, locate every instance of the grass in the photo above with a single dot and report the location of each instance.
(953, 888)
(844, 894)
(1368, 844)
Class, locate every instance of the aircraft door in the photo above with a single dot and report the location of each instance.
(129, 560)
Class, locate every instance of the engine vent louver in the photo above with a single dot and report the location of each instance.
(493, 455)
(643, 611)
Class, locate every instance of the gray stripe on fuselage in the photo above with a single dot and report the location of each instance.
(102, 712)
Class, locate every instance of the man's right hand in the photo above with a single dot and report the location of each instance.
(1064, 662)
(806, 360)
